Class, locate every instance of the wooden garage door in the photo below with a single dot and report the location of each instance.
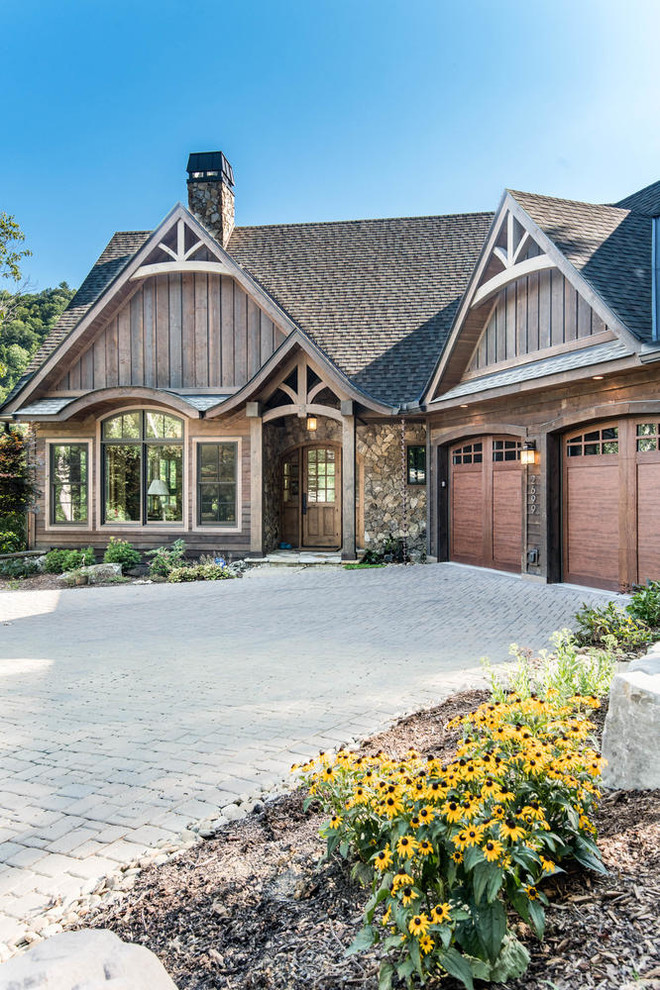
(486, 503)
(611, 504)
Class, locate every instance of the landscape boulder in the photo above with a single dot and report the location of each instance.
(631, 738)
(94, 574)
(85, 960)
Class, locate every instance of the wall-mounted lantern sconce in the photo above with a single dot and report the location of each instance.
(529, 454)
(311, 424)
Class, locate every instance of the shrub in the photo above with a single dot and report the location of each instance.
(121, 552)
(165, 559)
(59, 561)
(645, 604)
(448, 849)
(390, 551)
(199, 572)
(612, 626)
(18, 567)
(10, 542)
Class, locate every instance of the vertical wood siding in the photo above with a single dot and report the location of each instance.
(539, 311)
(179, 331)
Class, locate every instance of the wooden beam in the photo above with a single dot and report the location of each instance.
(170, 267)
(256, 485)
(493, 285)
(348, 488)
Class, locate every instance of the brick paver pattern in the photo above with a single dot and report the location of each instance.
(130, 712)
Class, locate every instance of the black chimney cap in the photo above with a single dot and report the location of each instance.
(209, 166)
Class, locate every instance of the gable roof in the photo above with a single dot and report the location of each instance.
(646, 200)
(608, 245)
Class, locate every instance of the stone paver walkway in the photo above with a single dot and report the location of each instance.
(130, 712)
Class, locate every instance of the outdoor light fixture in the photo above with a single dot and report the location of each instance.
(311, 424)
(529, 454)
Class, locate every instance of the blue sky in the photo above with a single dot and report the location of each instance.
(326, 110)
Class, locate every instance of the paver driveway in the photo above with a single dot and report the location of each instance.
(129, 712)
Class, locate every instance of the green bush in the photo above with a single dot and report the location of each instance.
(611, 626)
(645, 604)
(121, 552)
(18, 567)
(59, 561)
(165, 559)
(451, 850)
(10, 542)
(199, 572)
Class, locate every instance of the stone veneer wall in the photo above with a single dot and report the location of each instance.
(278, 436)
(380, 446)
(213, 204)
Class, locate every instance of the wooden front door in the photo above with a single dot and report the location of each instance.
(611, 504)
(486, 503)
(311, 496)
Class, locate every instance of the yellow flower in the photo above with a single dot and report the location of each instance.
(328, 773)
(426, 944)
(492, 849)
(452, 811)
(474, 835)
(441, 913)
(385, 920)
(424, 848)
(510, 830)
(531, 891)
(393, 805)
(335, 822)
(461, 840)
(533, 812)
(426, 815)
(457, 857)
(406, 846)
(418, 925)
(548, 865)
(400, 879)
(383, 859)
(408, 895)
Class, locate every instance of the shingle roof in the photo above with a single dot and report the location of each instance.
(608, 245)
(378, 296)
(645, 201)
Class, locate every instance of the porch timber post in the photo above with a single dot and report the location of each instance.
(256, 478)
(348, 481)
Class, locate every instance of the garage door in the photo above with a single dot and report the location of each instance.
(611, 504)
(486, 503)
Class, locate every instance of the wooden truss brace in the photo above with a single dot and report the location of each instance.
(182, 260)
(509, 258)
(181, 254)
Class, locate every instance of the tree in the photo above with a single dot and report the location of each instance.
(18, 488)
(10, 259)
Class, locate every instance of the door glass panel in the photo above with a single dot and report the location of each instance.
(320, 475)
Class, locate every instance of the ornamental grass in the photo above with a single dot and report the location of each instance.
(452, 850)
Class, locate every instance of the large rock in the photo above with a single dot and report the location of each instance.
(631, 739)
(85, 960)
(94, 574)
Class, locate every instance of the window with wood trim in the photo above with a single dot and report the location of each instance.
(594, 443)
(69, 482)
(469, 453)
(506, 450)
(217, 483)
(416, 461)
(142, 468)
(647, 437)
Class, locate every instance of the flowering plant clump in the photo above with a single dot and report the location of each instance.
(447, 847)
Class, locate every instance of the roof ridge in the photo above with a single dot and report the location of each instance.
(571, 202)
(331, 223)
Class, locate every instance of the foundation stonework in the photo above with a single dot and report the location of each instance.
(379, 446)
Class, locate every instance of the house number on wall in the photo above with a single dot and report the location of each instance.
(531, 494)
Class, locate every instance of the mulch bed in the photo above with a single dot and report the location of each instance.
(255, 908)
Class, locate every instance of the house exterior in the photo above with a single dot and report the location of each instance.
(486, 384)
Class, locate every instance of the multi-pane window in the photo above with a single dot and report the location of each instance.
(321, 474)
(469, 453)
(647, 437)
(594, 443)
(217, 479)
(68, 483)
(416, 458)
(506, 450)
(142, 468)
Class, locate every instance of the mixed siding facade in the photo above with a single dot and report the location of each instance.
(486, 384)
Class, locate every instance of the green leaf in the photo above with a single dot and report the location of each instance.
(521, 903)
(482, 876)
(471, 857)
(308, 800)
(344, 847)
(494, 885)
(537, 917)
(583, 851)
(416, 956)
(385, 975)
(405, 969)
(457, 966)
(363, 940)
(490, 923)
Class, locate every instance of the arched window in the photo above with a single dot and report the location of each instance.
(142, 468)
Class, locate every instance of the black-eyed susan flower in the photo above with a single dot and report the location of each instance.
(335, 821)
(408, 895)
(400, 879)
(492, 850)
(426, 944)
(383, 858)
(393, 805)
(548, 865)
(424, 848)
(457, 857)
(426, 815)
(406, 846)
(531, 891)
(441, 913)
(511, 830)
(461, 840)
(419, 925)
(452, 811)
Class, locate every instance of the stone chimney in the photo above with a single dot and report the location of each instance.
(211, 193)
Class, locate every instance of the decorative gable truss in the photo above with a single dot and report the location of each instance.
(182, 315)
(525, 303)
